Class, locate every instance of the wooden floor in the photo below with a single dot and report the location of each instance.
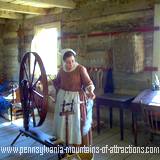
(108, 137)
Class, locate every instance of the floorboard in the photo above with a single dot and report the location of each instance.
(110, 137)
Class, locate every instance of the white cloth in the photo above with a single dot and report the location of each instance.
(59, 124)
(73, 68)
(88, 121)
(63, 51)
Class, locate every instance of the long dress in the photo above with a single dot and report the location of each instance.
(70, 86)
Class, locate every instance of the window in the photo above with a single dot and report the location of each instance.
(46, 44)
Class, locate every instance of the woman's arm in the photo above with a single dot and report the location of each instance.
(57, 82)
(87, 82)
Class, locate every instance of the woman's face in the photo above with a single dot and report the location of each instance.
(69, 62)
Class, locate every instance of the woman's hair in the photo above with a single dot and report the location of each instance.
(68, 54)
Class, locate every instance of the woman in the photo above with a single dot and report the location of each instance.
(73, 84)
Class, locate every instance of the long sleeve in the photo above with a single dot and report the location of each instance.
(86, 81)
(57, 81)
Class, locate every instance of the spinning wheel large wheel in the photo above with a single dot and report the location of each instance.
(33, 90)
(34, 98)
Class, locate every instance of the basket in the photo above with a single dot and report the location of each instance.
(79, 156)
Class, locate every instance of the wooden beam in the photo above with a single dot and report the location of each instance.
(122, 17)
(2, 21)
(48, 3)
(107, 8)
(10, 15)
(112, 19)
(21, 8)
(51, 11)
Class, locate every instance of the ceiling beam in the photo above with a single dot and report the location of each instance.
(122, 17)
(10, 15)
(2, 21)
(49, 3)
(51, 11)
(21, 8)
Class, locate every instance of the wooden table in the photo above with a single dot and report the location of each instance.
(147, 97)
(113, 100)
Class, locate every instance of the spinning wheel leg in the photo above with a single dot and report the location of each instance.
(20, 133)
(24, 104)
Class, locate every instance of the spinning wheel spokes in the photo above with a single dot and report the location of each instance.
(35, 83)
(34, 98)
(35, 62)
(36, 107)
(33, 72)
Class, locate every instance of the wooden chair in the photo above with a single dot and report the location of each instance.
(151, 116)
(16, 109)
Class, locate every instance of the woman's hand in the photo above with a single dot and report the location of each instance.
(91, 95)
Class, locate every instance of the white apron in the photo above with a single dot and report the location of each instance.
(74, 125)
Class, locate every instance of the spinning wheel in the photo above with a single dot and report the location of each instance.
(33, 89)
(34, 98)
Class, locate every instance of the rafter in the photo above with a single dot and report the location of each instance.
(47, 3)
(10, 15)
(21, 8)
(122, 17)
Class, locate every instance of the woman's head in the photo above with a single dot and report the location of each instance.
(69, 59)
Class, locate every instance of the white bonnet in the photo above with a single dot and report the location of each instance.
(63, 51)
